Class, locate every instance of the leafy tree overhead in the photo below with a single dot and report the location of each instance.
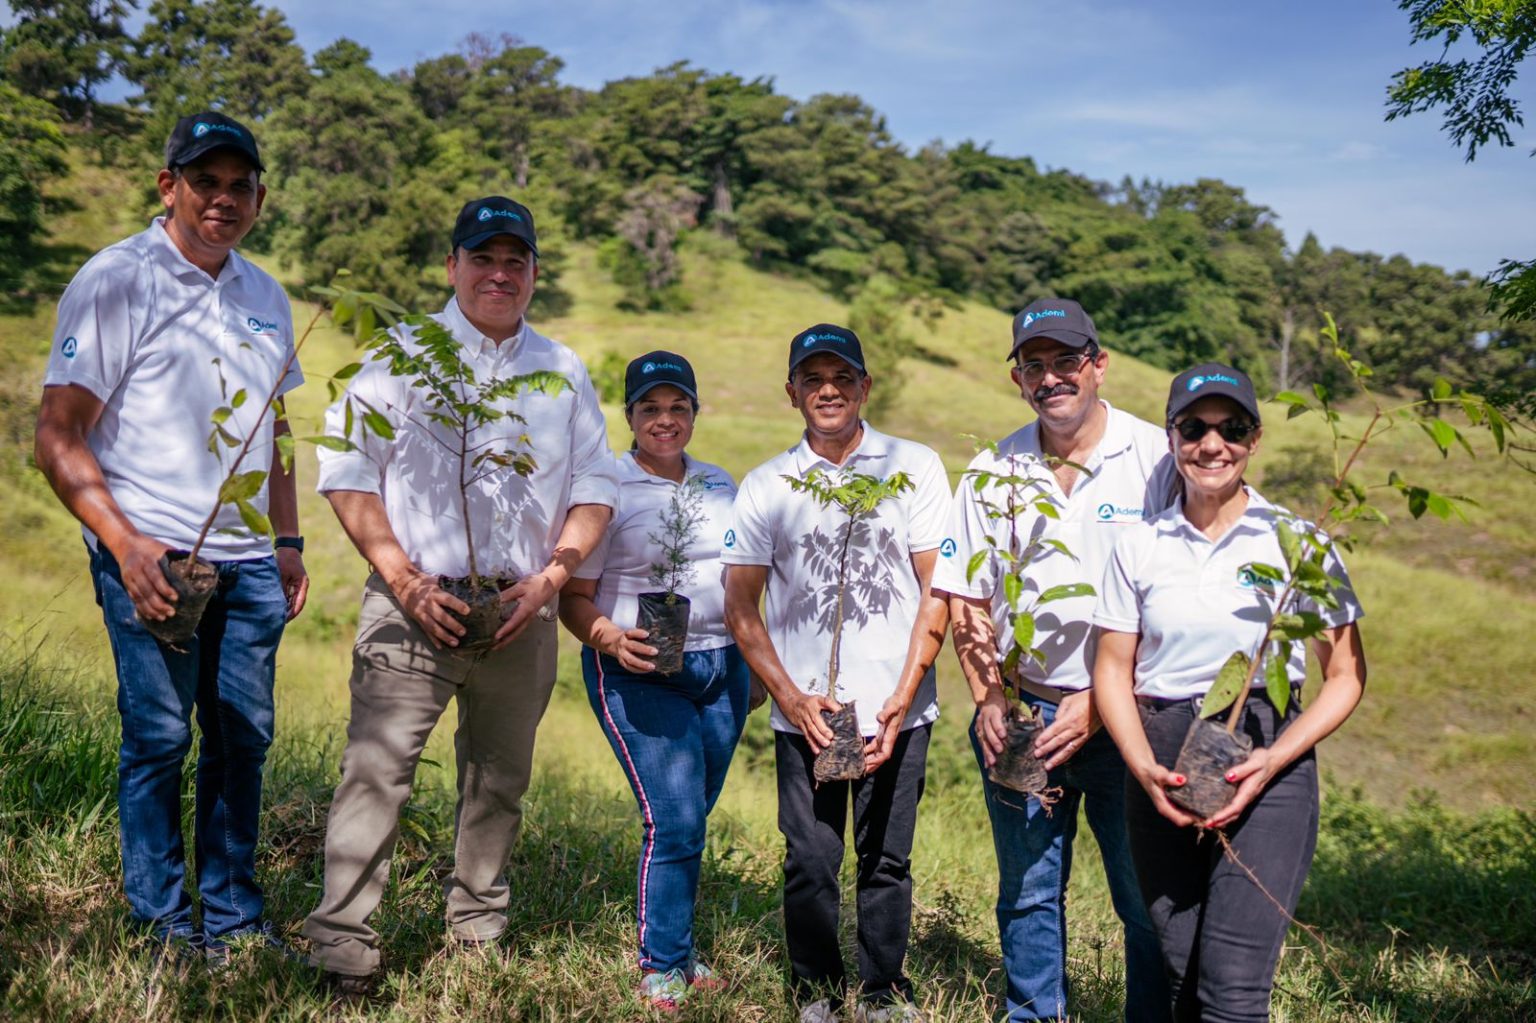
(32, 151)
(64, 50)
(233, 55)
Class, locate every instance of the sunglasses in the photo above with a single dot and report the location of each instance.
(1233, 431)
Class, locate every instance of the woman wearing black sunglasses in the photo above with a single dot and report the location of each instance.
(1177, 600)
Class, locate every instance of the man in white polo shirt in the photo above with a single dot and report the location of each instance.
(1101, 470)
(398, 499)
(786, 543)
(154, 334)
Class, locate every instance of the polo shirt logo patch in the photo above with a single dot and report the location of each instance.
(730, 538)
(69, 347)
(1248, 579)
(947, 548)
(261, 328)
(1120, 513)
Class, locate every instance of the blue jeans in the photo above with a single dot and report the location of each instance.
(1034, 862)
(674, 736)
(226, 674)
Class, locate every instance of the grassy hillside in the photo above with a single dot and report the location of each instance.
(1430, 912)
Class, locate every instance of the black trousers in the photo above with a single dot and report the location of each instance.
(1220, 933)
(813, 819)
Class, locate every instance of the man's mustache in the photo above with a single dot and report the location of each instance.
(1050, 392)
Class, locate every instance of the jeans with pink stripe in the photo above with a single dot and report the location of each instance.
(674, 736)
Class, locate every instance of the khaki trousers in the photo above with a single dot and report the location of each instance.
(400, 685)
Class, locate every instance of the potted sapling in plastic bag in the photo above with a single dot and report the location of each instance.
(857, 495)
(664, 613)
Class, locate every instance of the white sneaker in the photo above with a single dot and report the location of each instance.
(894, 1012)
(819, 1012)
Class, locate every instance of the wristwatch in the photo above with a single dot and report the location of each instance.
(296, 542)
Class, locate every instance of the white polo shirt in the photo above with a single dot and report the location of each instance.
(150, 335)
(1130, 477)
(622, 561)
(516, 520)
(1193, 603)
(799, 542)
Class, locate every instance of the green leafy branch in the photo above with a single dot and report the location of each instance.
(857, 495)
(426, 354)
(1306, 549)
(361, 309)
(1004, 496)
(680, 522)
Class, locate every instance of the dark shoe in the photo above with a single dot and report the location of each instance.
(179, 948)
(260, 937)
(351, 988)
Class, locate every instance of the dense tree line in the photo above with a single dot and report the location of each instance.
(368, 167)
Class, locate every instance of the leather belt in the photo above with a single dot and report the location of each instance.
(1040, 691)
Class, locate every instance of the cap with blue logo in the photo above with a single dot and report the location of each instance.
(198, 134)
(1059, 319)
(483, 219)
(826, 337)
(1212, 379)
(655, 368)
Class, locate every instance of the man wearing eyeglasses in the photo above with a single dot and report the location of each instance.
(1095, 470)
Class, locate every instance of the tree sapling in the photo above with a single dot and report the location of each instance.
(664, 614)
(1003, 497)
(1211, 749)
(857, 495)
(458, 405)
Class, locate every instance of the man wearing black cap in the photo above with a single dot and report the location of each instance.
(1100, 470)
(399, 500)
(786, 544)
(154, 333)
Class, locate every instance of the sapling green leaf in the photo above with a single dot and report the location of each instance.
(1229, 683)
(1277, 679)
(681, 520)
(1064, 592)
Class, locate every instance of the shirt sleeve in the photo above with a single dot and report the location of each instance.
(94, 340)
(966, 532)
(930, 506)
(1119, 607)
(362, 467)
(594, 477)
(749, 536)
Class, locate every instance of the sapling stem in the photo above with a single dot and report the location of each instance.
(250, 435)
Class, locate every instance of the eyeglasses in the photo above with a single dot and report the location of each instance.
(1233, 431)
(1062, 366)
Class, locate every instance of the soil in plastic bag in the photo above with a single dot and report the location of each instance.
(486, 611)
(667, 625)
(194, 582)
(844, 759)
(1017, 767)
(1208, 753)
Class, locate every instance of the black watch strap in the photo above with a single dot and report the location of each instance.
(296, 542)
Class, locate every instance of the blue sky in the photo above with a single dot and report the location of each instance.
(1284, 99)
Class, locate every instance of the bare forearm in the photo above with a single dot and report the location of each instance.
(746, 626)
(975, 646)
(1115, 697)
(590, 626)
(362, 516)
(282, 490)
(926, 642)
(75, 476)
(584, 527)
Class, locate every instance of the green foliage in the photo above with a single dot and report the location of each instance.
(62, 51)
(878, 315)
(457, 405)
(607, 372)
(32, 152)
(1306, 550)
(1006, 497)
(680, 522)
(857, 495)
(232, 55)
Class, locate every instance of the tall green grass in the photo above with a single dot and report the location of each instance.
(1428, 914)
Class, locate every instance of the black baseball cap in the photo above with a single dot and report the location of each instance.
(197, 134)
(655, 368)
(483, 219)
(1212, 379)
(826, 337)
(1059, 319)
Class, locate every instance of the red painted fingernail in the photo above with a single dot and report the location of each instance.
(1178, 779)
(1231, 776)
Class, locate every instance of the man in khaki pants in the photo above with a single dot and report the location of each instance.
(399, 501)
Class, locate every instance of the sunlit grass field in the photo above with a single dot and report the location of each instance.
(1424, 890)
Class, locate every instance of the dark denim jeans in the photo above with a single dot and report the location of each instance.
(226, 675)
(1034, 862)
(674, 736)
